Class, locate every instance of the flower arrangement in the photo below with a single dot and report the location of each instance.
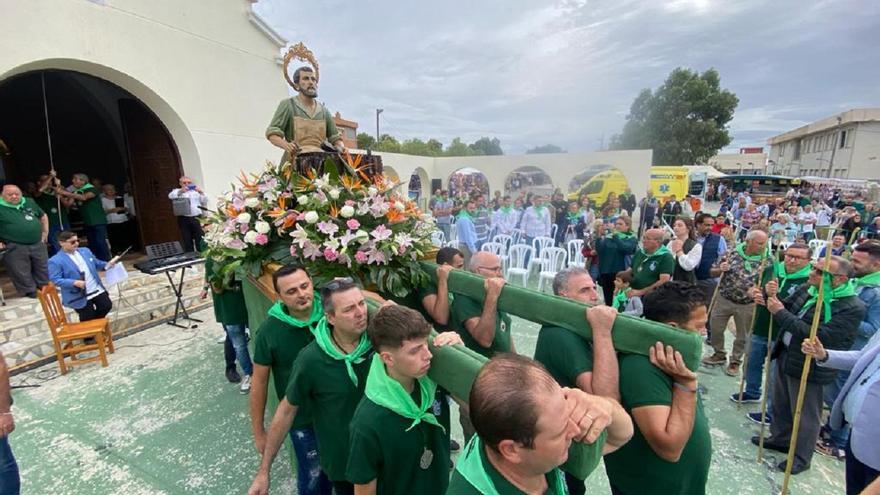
(336, 224)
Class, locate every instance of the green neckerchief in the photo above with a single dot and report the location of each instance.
(390, 394)
(573, 217)
(871, 279)
(470, 466)
(830, 295)
(84, 188)
(464, 214)
(506, 209)
(278, 312)
(539, 209)
(7, 204)
(325, 342)
(624, 235)
(783, 276)
(659, 252)
(748, 260)
(620, 300)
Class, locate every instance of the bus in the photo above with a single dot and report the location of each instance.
(769, 187)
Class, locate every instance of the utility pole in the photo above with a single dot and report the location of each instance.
(834, 148)
(378, 111)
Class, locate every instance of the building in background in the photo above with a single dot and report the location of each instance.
(747, 162)
(349, 130)
(846, 145)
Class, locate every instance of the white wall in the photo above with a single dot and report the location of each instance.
(208, 73)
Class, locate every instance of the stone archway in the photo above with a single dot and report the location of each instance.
(390, 173)
(469, 180)
(100, 128)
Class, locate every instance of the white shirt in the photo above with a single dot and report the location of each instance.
(689, 261)
(505, 222)
(93, 288)
(196, 199)
(806, 216)
(536, 224)
(110, 203)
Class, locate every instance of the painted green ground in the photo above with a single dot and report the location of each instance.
(163, 419)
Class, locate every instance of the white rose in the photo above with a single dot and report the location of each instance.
(252, 202)
(250, 237)
(244, 218)
(361, 233)
(334, 193)
(302, 199)
(262, 227)
(400, 206)
(347, 211)
(372, 191)
(312, 217)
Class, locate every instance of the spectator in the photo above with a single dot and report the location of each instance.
(10, 481)
(55, 207)
(648, 207)
(838, 246)
(612, 249)
(441, 208)
(24, 228)
(118, 225)
(671, 209)
(91, 212)
(192, 200)
(685, 249)
(467, 234)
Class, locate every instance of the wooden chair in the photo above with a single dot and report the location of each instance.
(70, 338)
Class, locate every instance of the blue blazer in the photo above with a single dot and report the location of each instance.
(63, 272)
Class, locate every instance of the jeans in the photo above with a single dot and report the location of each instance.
(10, 482)
(52, 240)
(236, 335)
(840, 436)
(97, 236)
(310, 479)
(755, 371)
(446, 228)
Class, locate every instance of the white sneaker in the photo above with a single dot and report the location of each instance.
(245, 384)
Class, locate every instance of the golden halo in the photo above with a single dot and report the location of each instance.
(299, 52)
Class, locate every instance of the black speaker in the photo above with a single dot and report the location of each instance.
(435, 184)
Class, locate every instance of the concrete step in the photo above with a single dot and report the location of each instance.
(28, 342)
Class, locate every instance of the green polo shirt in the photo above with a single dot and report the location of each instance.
(382, 449)
(21, 225)
(91, 210)
(322, 384)
(463, 309)
(647, 270)
(229, 306)
(49, 204)
(635, 469)
(761, 326)
(277, 345)
(564, 354)
(460, 486)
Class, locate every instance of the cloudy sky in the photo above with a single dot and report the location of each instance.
(532, 73)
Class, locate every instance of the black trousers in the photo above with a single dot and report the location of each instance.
(858, 475)
(191, 231)
(606, 281)
(343, 488)
(96, 307)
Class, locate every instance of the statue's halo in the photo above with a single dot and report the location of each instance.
(299, 52)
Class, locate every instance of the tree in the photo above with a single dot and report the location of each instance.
(684, 121)
(435, 147)
(365, 141)
(487, 146)
(414, 146)
(457, 148)
(388, 143)
(547, 148)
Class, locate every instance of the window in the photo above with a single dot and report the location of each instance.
(593, 187)
(843, 135)
(796, 155)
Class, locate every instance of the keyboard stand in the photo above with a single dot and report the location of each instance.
(179, 305)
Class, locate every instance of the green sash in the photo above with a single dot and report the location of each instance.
(470, 466)
(573, 217)
(659, 252)
(7, 204)
(869, 280)
(748, 259)
(322, 337)
(84, 188)
(620, 301)
(464, 214)
(506, 209)
(783, 276)
(390, 394)
(277, 311)
(830, 295)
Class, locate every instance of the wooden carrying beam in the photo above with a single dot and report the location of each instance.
(630, 334)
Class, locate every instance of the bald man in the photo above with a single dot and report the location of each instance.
(652, 264)
(24, 228)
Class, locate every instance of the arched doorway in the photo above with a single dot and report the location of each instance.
(419, 187)
(390, 173)
(468, 180)
(528, 180)
(97, 128)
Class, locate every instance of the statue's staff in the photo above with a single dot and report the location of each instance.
(814, 328)
(758, 283)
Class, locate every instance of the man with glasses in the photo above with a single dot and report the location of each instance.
(786, 278)
(277, 343)
(840, 315)
(573, 361)
(483, 328)
(74, 270)
(327, 379)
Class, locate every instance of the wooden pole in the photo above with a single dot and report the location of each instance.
(814, 328)
(764, 391)
(748, 350)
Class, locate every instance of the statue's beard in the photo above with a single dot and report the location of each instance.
(310, 92)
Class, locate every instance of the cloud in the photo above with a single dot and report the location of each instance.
(566, 72)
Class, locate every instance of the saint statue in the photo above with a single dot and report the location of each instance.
(301, 124)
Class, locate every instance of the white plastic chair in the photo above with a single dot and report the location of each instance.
(504, 240)
(816, 246)
(552, 261)
(575, 253)
(518, 235)
(517, 256)
(438, 238)
(553, 229)
(539, 244)
(453, 236)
